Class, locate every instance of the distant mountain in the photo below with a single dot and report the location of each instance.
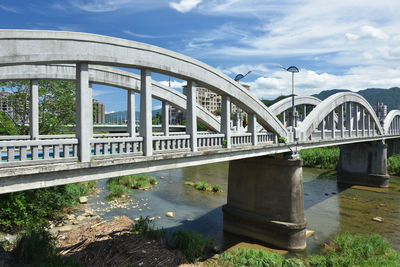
(122, 115)
(390, 97)
(271, 102)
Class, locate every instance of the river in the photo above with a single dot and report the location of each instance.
(329, 210)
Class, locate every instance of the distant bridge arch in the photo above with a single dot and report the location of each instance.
(391, 124)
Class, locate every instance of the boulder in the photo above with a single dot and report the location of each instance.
(170, 214)
(83, 200)
(65, 228)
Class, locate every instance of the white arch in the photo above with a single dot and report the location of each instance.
(389, 119)
(286, 103)
(110, 77)
(325, 107)
(47, 47)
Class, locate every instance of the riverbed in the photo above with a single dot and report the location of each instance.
(329, 210)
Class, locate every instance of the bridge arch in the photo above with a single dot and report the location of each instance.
(110, 77)
(391, 123)
(359, 114)
(286, 103)
(47, 47)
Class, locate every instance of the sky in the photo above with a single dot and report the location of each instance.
(337, 44)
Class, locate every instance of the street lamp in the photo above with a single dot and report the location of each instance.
(293, 70)
(241, 76)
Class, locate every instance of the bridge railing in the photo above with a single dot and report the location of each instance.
(37, 150)
(210, 141)
(266, 138)
(171, 143)
(112, 146)
(241, 139)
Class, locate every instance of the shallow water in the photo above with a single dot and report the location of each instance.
(328, 209)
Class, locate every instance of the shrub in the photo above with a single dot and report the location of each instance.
(37, 247)
(324, 158)
(138, 181)
(393, 165)
(202, 186)
(193, 245)
(116, 191)
(37, 206)
(281, 139)
(145, 227)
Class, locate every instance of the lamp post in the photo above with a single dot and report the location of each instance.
(293, 70)
(241, 76)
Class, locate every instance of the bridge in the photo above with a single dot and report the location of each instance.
(265, 194)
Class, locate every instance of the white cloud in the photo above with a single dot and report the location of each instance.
(185, 5)
(113, 5)
(374, 32)
(174, 84)
(157, 107)
(9, 9)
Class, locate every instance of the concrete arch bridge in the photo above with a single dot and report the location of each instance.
(265, 195)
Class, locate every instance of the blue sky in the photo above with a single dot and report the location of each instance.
(336, 44)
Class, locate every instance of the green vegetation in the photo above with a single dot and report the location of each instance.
(193, 245)
(203, 186)
(119, 186)
(281, 139)
(393, 165)
(224, 143)
(145, 227)
(345, 250)
(36, 207)
(36, 247)
(324, 158)
(271, 102)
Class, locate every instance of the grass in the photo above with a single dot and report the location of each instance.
(323, 158)
(119, 186)
(145, 227)
(203, 186)
(250, 257)
(193, 245)
(36, 247)
(393, 165)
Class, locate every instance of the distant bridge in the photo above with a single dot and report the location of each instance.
(255, 182)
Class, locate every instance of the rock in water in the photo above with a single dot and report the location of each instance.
(170, 214)
(83, 200)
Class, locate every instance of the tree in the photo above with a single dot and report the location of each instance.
(56, 104)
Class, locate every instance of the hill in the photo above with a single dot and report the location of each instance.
(390, 97)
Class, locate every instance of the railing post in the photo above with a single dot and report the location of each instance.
(145, 112)
(226, 118)
(165, 118)
(34, 110)
(84, 115)
(191, 118)
(252, 127)
(131, 113)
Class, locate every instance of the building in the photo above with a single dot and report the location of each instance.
(99, 112)
(6, 105)
(176, 116)
(380, 110)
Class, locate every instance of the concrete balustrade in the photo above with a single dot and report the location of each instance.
(116, 145)
(210, 141)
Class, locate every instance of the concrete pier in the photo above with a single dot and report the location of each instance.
(265, 201)
(363, 164)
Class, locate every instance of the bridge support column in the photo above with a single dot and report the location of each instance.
(165, 118)
(84, 115)
(363, 164)
(225, 119)
(191, 118)
(145, 112)
(265, 201)
(131, 113)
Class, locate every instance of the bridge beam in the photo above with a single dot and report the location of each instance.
(145, 112)
(265, 201)
(84, 115)
(363, 164)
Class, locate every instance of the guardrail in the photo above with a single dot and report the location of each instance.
(241, 139)
(112, 146)
(210, 140)
(171, 143)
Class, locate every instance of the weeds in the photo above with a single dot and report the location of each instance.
(393, 165)
(119, 186)
(203, 186)
(145, 227)
(250, 257)
(193, 245)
